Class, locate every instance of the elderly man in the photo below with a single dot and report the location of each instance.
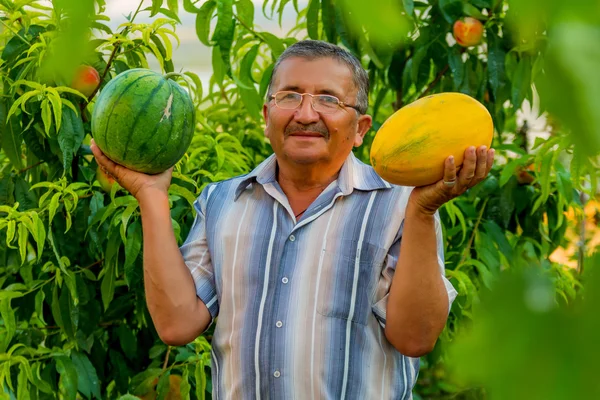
(328, 282)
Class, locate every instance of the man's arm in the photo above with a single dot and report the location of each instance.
(417, 308)
(178, 314)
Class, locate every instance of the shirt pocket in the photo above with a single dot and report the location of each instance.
(348, 281)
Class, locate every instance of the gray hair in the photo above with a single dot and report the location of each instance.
(315, 49)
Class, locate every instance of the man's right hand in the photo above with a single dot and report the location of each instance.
(136, 183)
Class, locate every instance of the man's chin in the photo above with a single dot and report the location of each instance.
(304, 157)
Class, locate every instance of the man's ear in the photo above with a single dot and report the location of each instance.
(265, 112)
(363, 125)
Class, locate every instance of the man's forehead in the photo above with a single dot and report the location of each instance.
(336, 77)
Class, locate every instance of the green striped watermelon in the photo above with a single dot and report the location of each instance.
(143, 120)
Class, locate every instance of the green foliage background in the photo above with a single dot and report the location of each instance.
(74, 323)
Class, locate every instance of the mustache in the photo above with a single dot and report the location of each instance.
(312, 128)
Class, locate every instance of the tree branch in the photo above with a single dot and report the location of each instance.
(29, 167)
(113, 54)
(435, 81)
(472, 238)
(167, 358)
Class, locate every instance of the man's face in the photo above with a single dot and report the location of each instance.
(303, 135)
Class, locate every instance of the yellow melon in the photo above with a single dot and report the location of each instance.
(411, 146)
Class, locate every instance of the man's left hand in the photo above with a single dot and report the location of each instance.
(476, 166)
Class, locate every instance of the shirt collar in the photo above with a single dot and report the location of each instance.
(354, 174)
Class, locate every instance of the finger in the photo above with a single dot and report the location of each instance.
(481, 166)
(449, 181)
(109, 166)
(467, 171)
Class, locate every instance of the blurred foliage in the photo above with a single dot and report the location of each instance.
(74, 323)
(533, 348)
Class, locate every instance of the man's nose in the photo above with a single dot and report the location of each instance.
(305, 113)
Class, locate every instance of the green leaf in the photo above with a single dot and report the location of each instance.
(245, 11)
(451, 10)
(456, 66)
(69, 313)
(10, 233)
(224, 31)
(71, 283)
(10, 324)
(55, 307)
(496, 61)
(246, 66)
(41, 384)
(128, 341)
(133, 245)
(200, 380)
(143, 382)
(70, 136)
(569, 86)
(473, 11)
(264, 80)
(131, 207)
(521, 81)
(24, 195)
(312, 19)
(185, 384)
(57, 106)
(328, 20)
(348, 34)
(107, 287)
(7, 189)
(39, 235)
(11, 136)
(409, 6)
(39, 305)
(22, 383)
(190, 7)
(203, 21)
(500, 239)
(46, 116)
(87, 378)
(156, 4)
(54, 203)
(219, 69)
(173, 6)
(23, 236)
(68, 377)
(162, 388)
(275, 44)
(564, 182)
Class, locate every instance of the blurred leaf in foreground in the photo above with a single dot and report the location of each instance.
(569, 84)
(522, 345)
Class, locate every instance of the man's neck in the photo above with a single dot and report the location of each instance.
(303, 184)
(305, 178)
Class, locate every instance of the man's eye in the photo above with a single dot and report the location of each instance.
(329, 100)
(288, 97)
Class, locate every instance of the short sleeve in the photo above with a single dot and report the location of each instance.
(382, 291)
(197, 258)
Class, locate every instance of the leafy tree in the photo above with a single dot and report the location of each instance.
(73, 315)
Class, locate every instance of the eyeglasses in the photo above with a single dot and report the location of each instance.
(321, 103)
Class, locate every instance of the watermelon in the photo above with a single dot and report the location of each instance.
(143, 120)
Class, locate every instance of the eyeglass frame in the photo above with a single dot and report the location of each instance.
(341, 104)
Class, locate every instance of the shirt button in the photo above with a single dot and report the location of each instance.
(285, 280)
(279, 324)
(276, 374)
(292, 238)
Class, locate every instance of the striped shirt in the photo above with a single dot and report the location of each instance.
(301, 304)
